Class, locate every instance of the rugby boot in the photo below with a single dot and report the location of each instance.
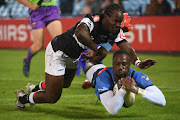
(19, 93)
(26, 67)
(29, 88)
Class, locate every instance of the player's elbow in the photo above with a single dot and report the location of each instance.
(112, 110)
(163, 103)
(162, 100)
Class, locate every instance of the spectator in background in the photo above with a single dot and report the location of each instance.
(107, 2)
(119, 2)
(94, 5)
(104, 4)
(172, 5)
(66, 7)
(158, 7)
(2, 2)
(83, 7)
(86, 10)
(132, 7)
(39, 19)
(177, 7)
(78, 7)
(91, 7)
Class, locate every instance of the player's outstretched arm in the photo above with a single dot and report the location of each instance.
(152, 93)
(134, 58)
(145, 63)
(113, 103)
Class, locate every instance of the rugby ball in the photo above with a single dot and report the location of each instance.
(129, 99)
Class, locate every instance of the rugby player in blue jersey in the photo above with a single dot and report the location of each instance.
(117, 86)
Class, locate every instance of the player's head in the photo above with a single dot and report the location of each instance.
(121, 63)
(113, 16)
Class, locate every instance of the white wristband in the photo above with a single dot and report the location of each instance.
(141, 92)
(137, 62)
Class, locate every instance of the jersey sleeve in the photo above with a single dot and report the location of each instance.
(142, 80)
(107, 46)
(102, 84)
(121, 36)
(88, 22)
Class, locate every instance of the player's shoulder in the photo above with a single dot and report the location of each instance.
(136, 74)
(94, 17)
(106, 74)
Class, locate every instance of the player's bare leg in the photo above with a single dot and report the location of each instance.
(68, 77)
(53, 87)
(54, 28)
(52, 93)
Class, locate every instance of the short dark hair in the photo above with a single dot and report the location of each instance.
(111, 8)
(122, 52)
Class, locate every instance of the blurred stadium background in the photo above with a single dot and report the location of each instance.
(155, 34)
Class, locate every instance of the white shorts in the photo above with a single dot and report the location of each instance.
(90, 72)
(57, 62)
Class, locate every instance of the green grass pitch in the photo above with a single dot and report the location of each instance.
(76, 103)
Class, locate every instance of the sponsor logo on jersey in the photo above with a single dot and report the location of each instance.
(102, 89)
(89, 23)
(145, 77)
(96, 18)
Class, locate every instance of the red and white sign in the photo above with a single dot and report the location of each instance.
(152, 33)
(149, 33)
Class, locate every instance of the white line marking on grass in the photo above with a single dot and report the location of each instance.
(171, 90)
(28, 80)
(16, 79)
(68, 96)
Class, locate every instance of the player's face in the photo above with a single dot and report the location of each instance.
(112, 23)
(121, 64)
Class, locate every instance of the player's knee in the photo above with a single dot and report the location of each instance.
(66, 85)
(53, 99)
(39, 46)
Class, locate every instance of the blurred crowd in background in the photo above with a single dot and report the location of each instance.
(12, 9)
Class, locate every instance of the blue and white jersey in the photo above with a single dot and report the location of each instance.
(105, 82)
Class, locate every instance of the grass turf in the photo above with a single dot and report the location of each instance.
(76, 103)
